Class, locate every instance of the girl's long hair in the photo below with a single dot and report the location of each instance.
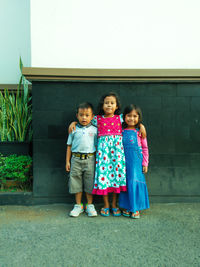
(127, 110)
(100, 110)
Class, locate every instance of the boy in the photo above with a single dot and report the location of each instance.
(81, 150)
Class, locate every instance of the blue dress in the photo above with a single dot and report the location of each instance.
(136, 197)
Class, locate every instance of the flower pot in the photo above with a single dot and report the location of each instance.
(11, 184)
(18, 148)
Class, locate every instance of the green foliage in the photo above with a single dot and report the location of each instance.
(16, 113)
(17, 168)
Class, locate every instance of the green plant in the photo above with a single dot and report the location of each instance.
(17, 168)
(16, 112)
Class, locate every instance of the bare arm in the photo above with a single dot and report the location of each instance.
(72, 126)
(68, 157)
(145, 169)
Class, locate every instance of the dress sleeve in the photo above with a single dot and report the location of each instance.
(94, 121)
(145, 152)
(121, 118)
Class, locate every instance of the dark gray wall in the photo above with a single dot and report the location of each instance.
(171, 114)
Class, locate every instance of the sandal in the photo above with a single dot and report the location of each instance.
(105, 212)
(126, 213)
(115, 212)
(135, 215)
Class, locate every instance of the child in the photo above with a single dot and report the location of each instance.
(137, 158)
(81, 150)
(110, 174)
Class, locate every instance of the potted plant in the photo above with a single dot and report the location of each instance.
(16, 118)
(15, 172)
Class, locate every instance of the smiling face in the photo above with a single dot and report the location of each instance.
(132, 119)
(84, 116)
(109, 106)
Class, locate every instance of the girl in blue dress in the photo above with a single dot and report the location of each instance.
(137, 158)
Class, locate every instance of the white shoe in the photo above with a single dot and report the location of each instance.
(90, 209)
(77, 210)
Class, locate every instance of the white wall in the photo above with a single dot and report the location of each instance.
(14, 39)
(115, 33)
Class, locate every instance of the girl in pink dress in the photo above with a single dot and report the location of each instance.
(110, 174)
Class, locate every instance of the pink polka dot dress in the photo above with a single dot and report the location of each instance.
(110, 174)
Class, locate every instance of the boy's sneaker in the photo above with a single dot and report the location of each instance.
(77, 210)
(90, 209)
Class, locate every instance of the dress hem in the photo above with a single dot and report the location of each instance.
(109, 190)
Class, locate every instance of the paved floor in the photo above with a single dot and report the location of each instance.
(166, 235)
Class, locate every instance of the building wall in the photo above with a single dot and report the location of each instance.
(171, 113)
(15, 39)
(115, 34)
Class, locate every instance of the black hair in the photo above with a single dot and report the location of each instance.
(127, 110)
(101, 102)
(84, 105)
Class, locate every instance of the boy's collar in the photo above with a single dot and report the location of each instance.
(81, 126)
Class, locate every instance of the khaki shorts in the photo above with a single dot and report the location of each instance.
(82, 175)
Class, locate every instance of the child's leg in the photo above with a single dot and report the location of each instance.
(90, 209)
(105, 210)
(106, 201)
(116, 211)
(88, 178)
(114, 201)
(78, 197)
(89, 198)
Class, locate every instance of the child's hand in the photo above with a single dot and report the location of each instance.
(142, 132)
(67, 166)
(144, 169)
(72, 126)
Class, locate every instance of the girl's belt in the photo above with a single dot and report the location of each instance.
(83, 155)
